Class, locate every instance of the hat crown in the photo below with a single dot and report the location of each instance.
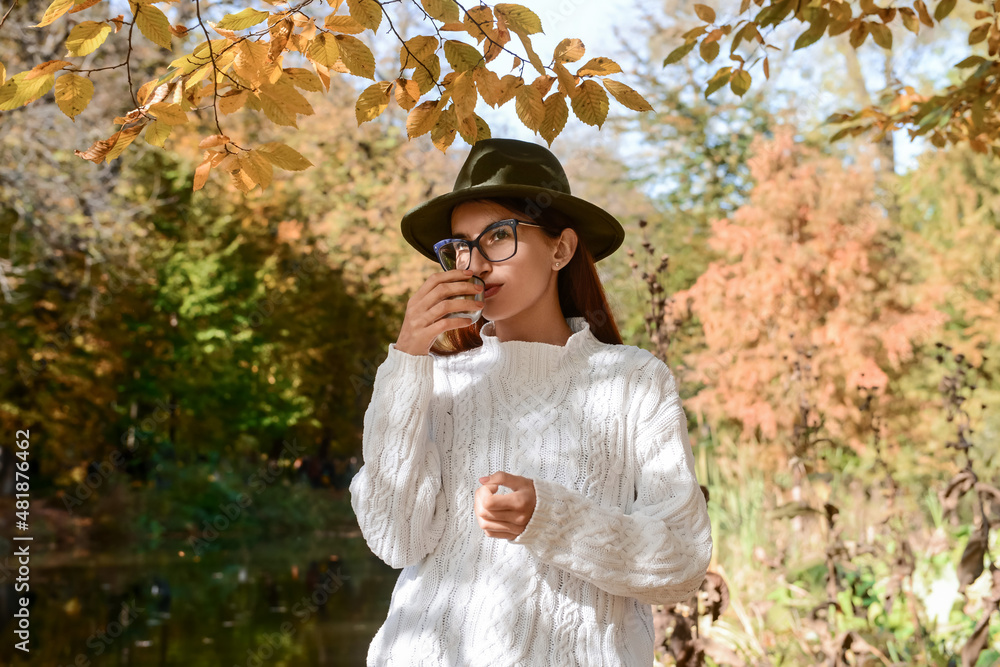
(511, 162)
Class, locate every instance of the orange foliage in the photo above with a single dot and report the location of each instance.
(809, 262)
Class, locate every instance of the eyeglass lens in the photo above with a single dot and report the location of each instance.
(496, 246)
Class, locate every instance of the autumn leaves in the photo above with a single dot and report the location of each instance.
(471, 80)
(244, 67)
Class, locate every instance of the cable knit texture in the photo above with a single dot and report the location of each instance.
(619, 522)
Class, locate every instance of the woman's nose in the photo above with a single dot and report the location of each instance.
(477, 261)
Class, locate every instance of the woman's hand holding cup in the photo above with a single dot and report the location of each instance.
(427, 311)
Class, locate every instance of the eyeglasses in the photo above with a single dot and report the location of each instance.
(498, 242)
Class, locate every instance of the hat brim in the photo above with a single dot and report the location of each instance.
(429, 222)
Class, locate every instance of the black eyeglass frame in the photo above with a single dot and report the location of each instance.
(475, 244)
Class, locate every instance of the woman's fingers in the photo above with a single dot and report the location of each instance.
(506, 501)
(504, 515)
(514, 517)
(500, 529)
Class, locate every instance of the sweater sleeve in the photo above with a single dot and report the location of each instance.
(659, 551)
(397, 495)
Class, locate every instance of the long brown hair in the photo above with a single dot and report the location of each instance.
(580, 291)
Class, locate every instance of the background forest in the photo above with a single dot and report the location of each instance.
(831, 311)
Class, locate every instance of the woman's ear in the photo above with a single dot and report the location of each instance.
(565, 246)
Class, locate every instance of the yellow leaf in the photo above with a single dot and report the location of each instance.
(464, 96)
(80, 5)
(599, 67)
(627, 96)
(214, 141)
(48, 67)
(443, 132)
(705, 13)
(533, 58)
(519, 18)
(373, 101)
(201, 174)
(740, 82)
(415, 50)
(356, 56)
(251, 61)
(280, 32)
(488, 85)
(283, 157)
(276, 111)
(3, 74)
(256, 167)
(154, 25)
(240, 180)
(556, 114)
(152, 92)
(232, 102)
(157, 133)
(461, 56)
(242, 20)
(478, 22)
(343, 23)
(168, 112)
(445, 11)
(569, 50)
(543, 84)
(509, 86)
(304, 79)
(590, 104)
(55, 10)
(18, 90)
(427, 72)
(482, 132)
(529, 106)
(567, 82)
(407, 93)
(284, 92)
(324, 50)
(86, 37)
(422, 118)
(73, 93)
(366, 12)
(125, 137)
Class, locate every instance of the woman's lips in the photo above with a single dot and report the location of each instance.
(491, 291)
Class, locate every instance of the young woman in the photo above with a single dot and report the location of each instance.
(530, 473)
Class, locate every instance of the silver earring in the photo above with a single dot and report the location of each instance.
(557, 263)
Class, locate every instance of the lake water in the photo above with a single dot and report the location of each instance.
(294, 602)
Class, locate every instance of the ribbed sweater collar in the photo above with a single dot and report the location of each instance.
(535, 357)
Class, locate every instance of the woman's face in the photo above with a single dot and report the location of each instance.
(526, 277)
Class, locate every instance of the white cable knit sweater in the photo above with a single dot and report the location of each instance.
(619, 522)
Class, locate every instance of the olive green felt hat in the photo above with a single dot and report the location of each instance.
(512, 168)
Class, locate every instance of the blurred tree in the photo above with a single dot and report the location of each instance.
(813, 267)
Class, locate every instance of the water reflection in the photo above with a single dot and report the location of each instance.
(295, 603)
